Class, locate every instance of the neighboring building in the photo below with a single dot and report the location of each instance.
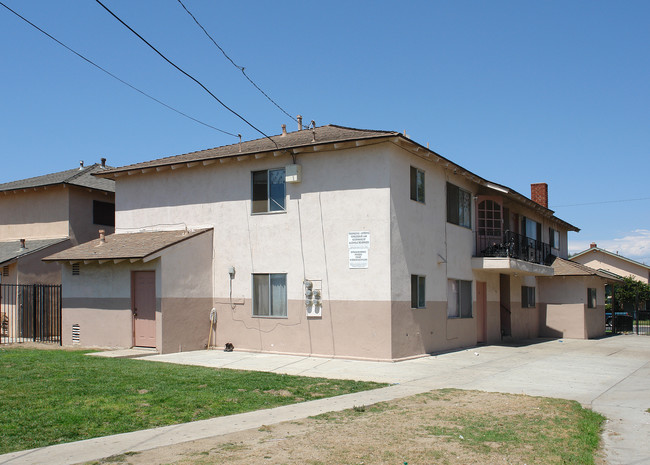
(46, 214)
(601, 259)
(574, 301)
(332, 241)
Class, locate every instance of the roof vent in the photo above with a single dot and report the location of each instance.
(103, 162)
(299, 118)
(284, 129)
(81, 165)
(102, 236)
(22, 245)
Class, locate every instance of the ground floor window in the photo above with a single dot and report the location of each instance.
(527, 297)
(459, 298)
(418, 284)
(270, 294)
(591, 297)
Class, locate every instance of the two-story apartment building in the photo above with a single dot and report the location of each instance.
(45, 214)
(331, 241)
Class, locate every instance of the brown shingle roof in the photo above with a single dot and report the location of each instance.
(76, 177)
(308, 137)
(562, 267)
(124, 246)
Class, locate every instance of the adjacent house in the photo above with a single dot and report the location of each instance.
(45, 214)
(331, 241)
(613, 263)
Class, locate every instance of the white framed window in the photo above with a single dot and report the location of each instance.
(591, 297)
(527, 297)
(459, 298)
(417, 185)
(459, 206)
(418, 297)
(268, 190)
(270, 294)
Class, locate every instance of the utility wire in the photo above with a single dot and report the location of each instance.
(185, 73)
(114, 76)
(602, 202)
(240, 68)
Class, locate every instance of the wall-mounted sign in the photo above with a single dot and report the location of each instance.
(358, 246)
(359, 240)
(358, 258)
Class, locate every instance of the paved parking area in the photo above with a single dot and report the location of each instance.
(610, 375)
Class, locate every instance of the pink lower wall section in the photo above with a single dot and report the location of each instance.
(103, 322)
(574, 321)
(185, 324)
(350, 329)
(524, 321)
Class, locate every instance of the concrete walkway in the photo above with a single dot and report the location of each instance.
(610, 375)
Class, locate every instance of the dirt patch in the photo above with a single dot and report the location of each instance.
(443, 427)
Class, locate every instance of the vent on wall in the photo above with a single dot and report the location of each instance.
(5, 271)
(75, 269)
(76, 334)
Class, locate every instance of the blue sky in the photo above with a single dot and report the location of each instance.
(517, 92)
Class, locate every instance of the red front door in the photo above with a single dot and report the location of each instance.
(144, 308)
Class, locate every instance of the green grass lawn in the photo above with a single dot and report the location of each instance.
(55, 396)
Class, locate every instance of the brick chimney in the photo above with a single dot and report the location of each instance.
(592, 245)
(539, 193)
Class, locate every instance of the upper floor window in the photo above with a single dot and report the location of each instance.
(418, 284)
(268, 190)
(531, 229)
(554, 238)
(527, 297)
(459, 206)
(103, 213)
(417, 185)
(459, 298)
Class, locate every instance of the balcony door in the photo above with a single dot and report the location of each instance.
(489, 222)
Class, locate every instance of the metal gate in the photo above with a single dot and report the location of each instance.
(30, 312)
(637, 322)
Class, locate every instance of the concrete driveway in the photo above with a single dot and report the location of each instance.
(610, 375)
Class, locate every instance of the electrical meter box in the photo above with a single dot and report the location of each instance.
(293, 173)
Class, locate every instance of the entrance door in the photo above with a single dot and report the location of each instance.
(143, 293)
(481, 311)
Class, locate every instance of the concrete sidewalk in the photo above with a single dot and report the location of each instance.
(610, 375)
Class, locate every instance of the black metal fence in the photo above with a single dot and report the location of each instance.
(515, 246)
(30, 312)
(637, 322)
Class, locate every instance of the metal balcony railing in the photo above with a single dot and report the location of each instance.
(515, 245)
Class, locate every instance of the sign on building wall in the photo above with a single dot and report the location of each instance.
(358, 247)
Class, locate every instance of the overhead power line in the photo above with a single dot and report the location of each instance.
(113, 75)
(184, 72)
(240, 68)
(601, 202)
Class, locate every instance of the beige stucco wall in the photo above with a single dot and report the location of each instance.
(99, 300)
(564, 311)
(340, 192)
(40, 214)
(423, 243)
(82, 228)
(186, 290)
(598, 260)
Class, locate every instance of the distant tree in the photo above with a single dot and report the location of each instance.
(632, 292)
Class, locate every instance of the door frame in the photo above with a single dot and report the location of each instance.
(481, 311)
(133, 296)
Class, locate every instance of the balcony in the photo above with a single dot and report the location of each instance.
(513, 253)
